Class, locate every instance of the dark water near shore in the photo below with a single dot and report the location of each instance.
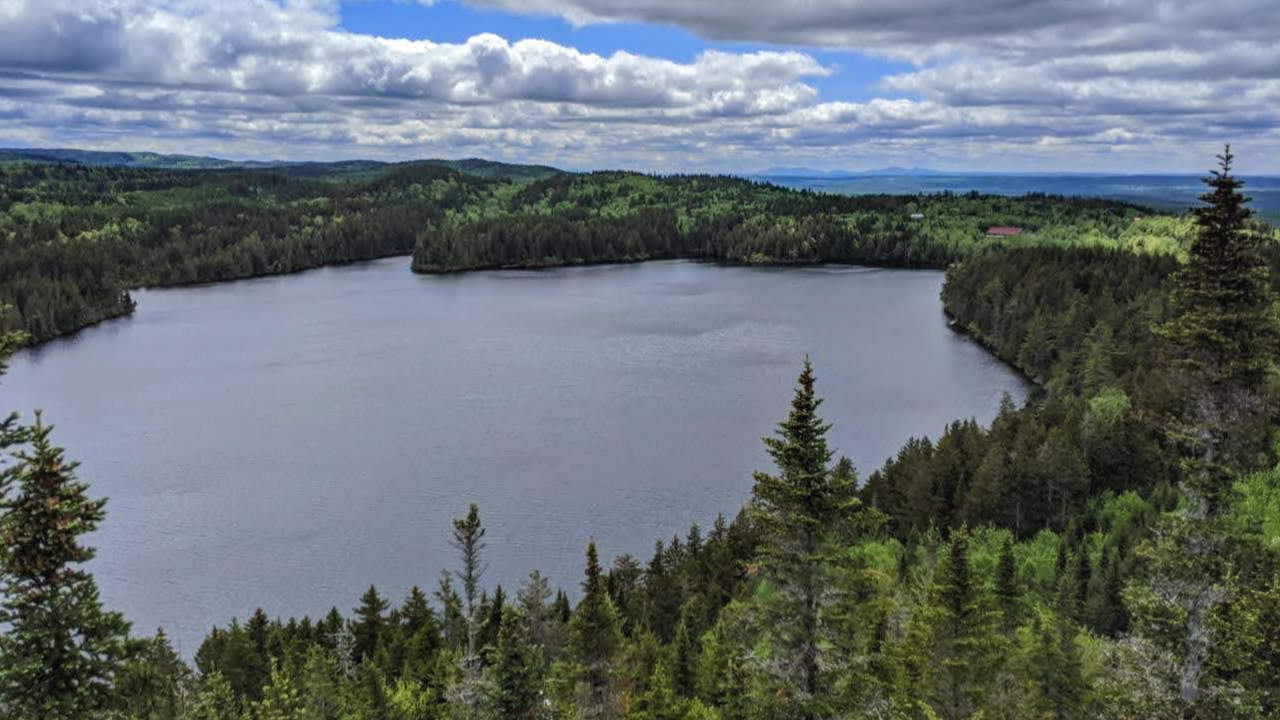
(284, 442)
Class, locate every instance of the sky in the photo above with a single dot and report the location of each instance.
(736, 86)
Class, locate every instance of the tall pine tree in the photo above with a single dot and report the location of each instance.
(468, 539)
(517, 671)
(594, 638)
(61, 651)
(1222, 342)
(798, 511)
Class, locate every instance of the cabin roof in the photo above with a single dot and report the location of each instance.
(1004, 230)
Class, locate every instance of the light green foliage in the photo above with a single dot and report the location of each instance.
(1255, 510)
(1106, 409)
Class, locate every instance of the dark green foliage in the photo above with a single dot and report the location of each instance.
(799, 512)
(516, 671)
(1222, 342)
(154, 683)
(961, 636)
(60, 650)
(369, 623)
(621, 217)
(1056, 672)
(595, 638)
(1008, 593)
(74, 238)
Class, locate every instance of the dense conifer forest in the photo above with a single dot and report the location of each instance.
(1109, 550)
(74, 239)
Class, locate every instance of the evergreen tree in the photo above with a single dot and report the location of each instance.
(962, 635)
(544, 628)
(467, 695)
(154, 683)
(61, 651)
(321, 683)
(453, 622)
(659, 699)
(685, 661)
(369, 624)
(468, 540)
(1222, 343)
(798, 511)
(1056, 672)
(281, 697)
(662, 594)
(560, 609)
(416, 613)
(492, 625)
(594, 638)
(213, 701)
(1008, 593)
(517, 671)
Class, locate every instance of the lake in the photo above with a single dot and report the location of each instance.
(284, 442)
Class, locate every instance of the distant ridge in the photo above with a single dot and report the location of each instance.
(471, 166)
(836, 174)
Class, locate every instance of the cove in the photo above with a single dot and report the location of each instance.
(284, 442)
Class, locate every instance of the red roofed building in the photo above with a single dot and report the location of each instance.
(1003, 231)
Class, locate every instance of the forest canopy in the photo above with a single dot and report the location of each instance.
(74, 239)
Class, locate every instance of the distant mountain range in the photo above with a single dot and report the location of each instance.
(1171, 192)
(833, 174)
(471, 166)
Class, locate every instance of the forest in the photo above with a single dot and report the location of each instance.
(1109, 550)
(75, 238)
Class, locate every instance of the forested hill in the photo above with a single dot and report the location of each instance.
(620, 217)
(161, 161)
(74, 238)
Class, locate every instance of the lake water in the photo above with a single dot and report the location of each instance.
(284, 442)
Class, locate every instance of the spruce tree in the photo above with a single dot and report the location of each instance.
(1056, 672)
(685, 661)
(453, 623)
(369, 624)
(1007, 591)
(61, 651)
(154, 682)
(281, 697)
(798, 511)
(594, 638)
(545, 629)
(1222, 342)
(964, 654)
(517, 671)
(213, 701)
(468, 539)
(560, 609)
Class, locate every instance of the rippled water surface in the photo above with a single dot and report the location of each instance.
(284, 442)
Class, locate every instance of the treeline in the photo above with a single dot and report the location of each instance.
(623, 217)
(73, 239)
(1080, 323)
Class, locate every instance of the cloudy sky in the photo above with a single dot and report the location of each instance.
(666, 85)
